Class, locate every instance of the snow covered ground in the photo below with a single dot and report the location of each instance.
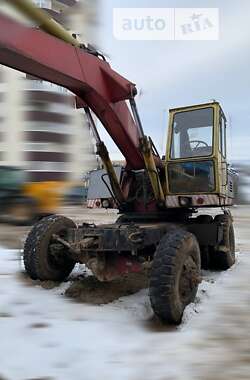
(44, 335)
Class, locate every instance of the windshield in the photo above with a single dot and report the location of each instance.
(191, 177)
(192, 134)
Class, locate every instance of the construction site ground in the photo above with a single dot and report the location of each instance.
(84, 329)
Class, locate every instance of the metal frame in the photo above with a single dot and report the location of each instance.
(134, 238)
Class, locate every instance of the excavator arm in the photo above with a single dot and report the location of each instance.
(97, 86)
(103, 90)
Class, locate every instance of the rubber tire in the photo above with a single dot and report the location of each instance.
(35, 254)
(224, 260)
(171, 253)
(205, 249)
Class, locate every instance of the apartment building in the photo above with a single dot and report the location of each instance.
(40, 129)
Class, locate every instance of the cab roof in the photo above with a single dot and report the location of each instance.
(194, 106)
(201, 105)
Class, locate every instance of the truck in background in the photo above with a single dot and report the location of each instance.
(99, 190)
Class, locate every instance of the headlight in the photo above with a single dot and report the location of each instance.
(185, 201)
(105, 203)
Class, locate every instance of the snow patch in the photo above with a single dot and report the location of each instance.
(45, 335)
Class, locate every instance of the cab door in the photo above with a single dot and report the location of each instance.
(222, 157)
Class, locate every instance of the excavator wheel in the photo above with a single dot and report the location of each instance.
(224, 256)
(175, 275)
(39, 256)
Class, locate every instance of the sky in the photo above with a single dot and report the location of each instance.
(179, 73)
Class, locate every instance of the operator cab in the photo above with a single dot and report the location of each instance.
(196, 157)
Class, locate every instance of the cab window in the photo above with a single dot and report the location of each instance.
(192, 133)
(191, 177)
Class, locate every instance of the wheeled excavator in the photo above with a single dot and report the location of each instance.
(158, 198)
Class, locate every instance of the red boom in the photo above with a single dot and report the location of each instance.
(35, 52)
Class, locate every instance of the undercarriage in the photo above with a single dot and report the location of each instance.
(172, 253)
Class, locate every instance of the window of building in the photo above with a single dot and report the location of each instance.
(43, 3)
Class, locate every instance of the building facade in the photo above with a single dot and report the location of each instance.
(40, 129)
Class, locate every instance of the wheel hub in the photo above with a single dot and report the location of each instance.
(189, 279)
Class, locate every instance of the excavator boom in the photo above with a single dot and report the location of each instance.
(90, 78)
